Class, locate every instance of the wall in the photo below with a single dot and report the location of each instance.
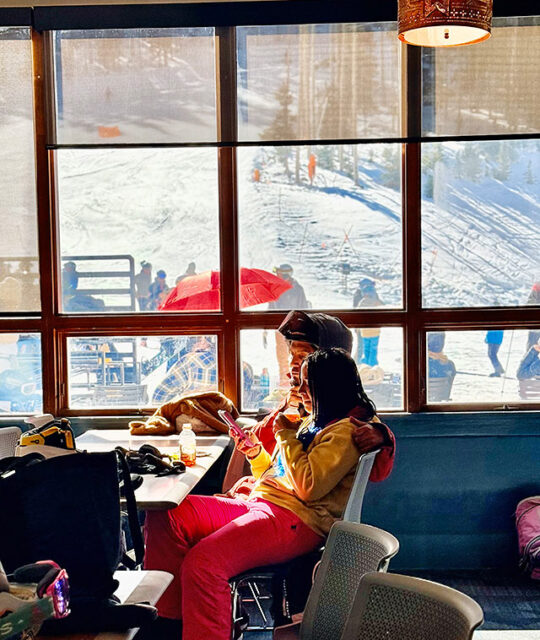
(456, 483)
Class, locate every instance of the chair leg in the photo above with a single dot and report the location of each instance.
(255, 596)
(256, 599)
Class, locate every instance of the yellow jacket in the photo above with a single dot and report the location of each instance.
(317, 481)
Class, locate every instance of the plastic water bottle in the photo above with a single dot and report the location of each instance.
(188, 445)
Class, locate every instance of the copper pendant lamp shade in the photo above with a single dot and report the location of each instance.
(444, 23)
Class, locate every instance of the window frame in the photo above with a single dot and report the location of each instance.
(415, 321)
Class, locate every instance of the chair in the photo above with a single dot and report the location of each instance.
(529, 389)
(396, 607)
(353, 510)
(9, 438)
(352, 550)
(279, 574)
(439, 389)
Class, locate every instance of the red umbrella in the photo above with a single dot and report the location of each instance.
(202, 293)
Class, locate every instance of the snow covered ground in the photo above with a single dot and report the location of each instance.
(480, 238)
(480, 242)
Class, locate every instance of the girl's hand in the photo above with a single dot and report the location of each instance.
(282, 421)
(250, 450)
(366, 437)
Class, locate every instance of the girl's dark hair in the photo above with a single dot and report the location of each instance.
(335, 386)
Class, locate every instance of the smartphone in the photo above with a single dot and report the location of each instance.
(235, 427)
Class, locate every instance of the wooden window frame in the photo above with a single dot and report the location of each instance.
(227, 324)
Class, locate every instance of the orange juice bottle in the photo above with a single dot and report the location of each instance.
(188, 445)
(292, 414)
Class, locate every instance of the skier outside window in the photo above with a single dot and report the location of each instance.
(142, 282)
(195, 372)
(493, 341)
(366, 296)
(294, 298)
(533, 300)
(158, 290)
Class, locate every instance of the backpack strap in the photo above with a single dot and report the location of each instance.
(12, 464)
(131, 504)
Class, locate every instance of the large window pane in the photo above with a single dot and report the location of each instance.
(483, 366)
(136, 85)
(488, 88)
(21, 385)
(120, 371)
(327, 216)
(480, 221)
(377, 350)
(318, 81)
(127, 217)
(19, 271)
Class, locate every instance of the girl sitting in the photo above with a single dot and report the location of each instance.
(299, 492)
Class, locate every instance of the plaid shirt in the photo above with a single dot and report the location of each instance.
(196, 372)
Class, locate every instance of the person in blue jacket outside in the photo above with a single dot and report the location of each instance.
(529, 367)
(494, 340)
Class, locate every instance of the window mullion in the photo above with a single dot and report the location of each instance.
(415, 391)
(41, 67)
(229, 352)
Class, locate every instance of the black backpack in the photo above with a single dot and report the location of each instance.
(67, 509)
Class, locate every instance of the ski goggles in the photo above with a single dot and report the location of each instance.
(55, 585)
(51, 582)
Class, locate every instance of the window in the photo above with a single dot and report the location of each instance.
(195, 183)
(131, 223)
(480, 221)
(378, 352)
(318, 81)
(330, 217)
(134, 371)
(488, 89)
(135, 85)
(19, 271)
(499, 366)
(21, 388)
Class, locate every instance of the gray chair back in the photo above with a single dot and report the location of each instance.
(394, 607)
(9, 439)
(352, 550)
(353, 510)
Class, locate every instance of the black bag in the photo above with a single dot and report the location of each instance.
(67, 509)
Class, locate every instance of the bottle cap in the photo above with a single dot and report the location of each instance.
(186, 425)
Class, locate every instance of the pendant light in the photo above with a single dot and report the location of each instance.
(444, 23)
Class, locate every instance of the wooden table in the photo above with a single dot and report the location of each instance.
(135, 586)
(159, 493)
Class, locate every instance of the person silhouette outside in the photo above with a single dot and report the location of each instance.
(533, 300)
(294, 298)
(312, 168)
(74, 300)
(366, 297)
(142, 282)
(529, 367)
(157, 290)
(494, 340)
(439, 366)
(194, 372)
(70, 278)
(190, 271)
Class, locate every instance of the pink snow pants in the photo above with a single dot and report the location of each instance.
(208, 539)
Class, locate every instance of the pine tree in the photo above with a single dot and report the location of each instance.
(283, 125)
(529, 175)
